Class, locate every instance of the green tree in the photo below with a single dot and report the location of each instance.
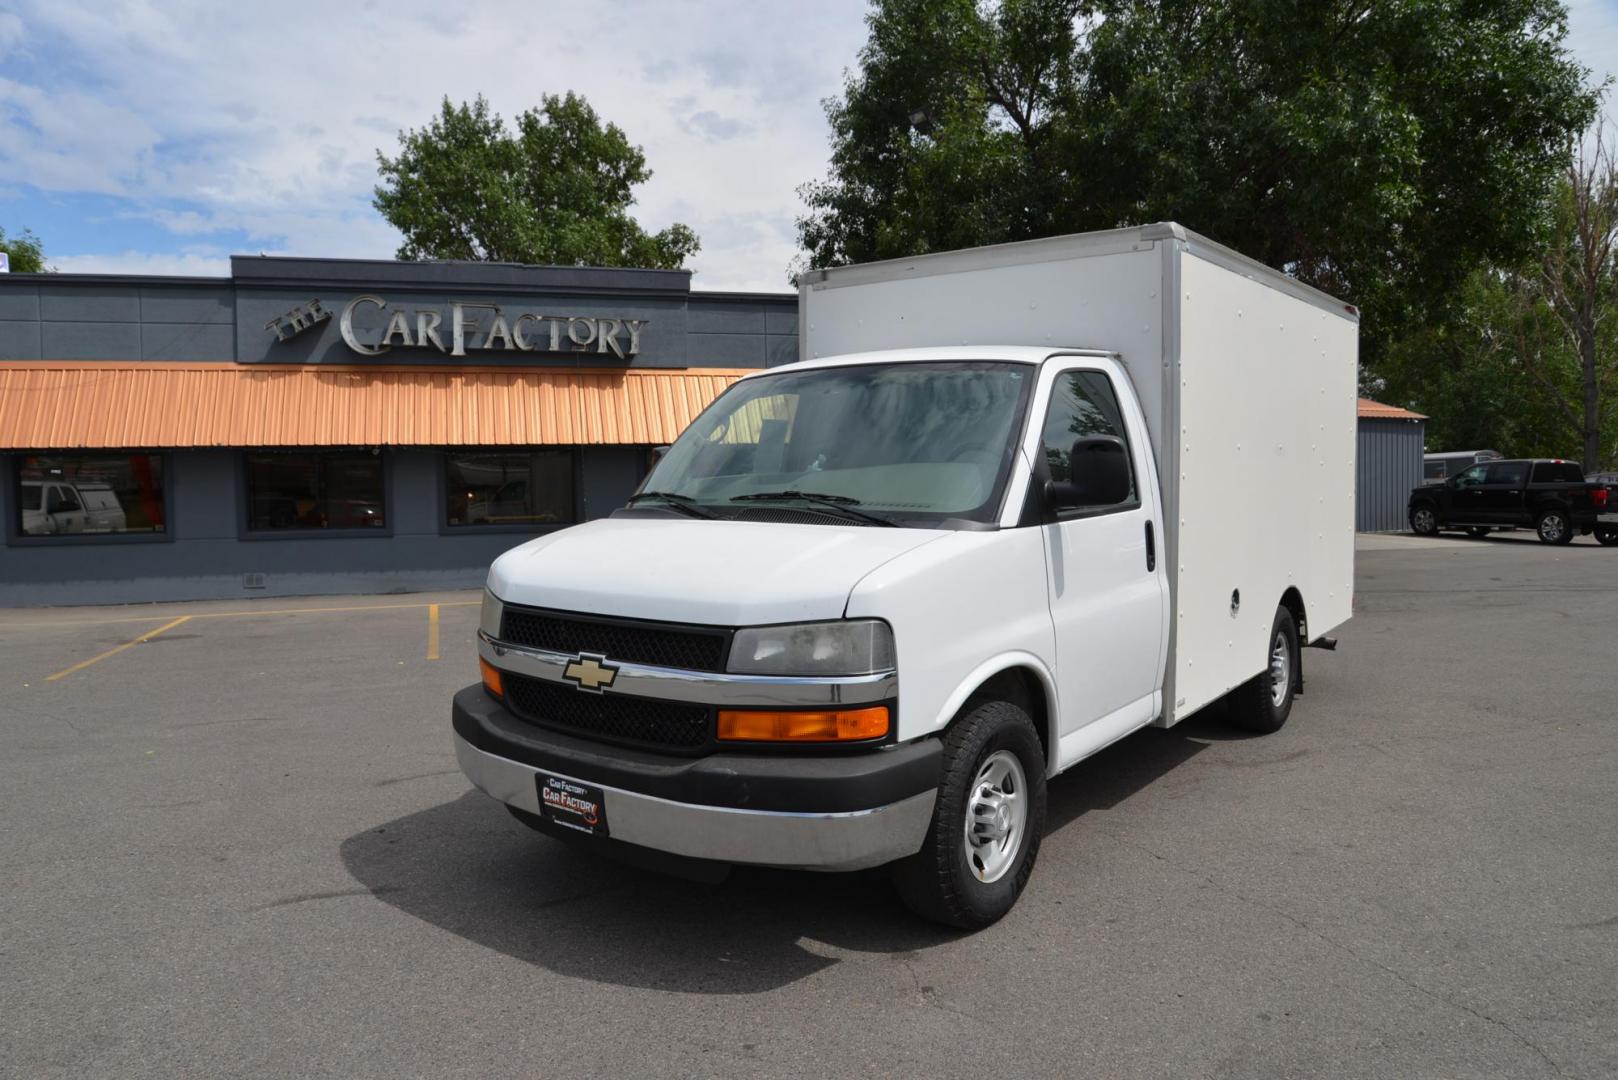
(1571, 297)
(27, 256)
(557, 191)
(1382, 151)
(1469, 375)
(1527, 360)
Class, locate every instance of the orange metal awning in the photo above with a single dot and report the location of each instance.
(1375, 410)
(93, 404)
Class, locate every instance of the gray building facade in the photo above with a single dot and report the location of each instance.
(314, 426)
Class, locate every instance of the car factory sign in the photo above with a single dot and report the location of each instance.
(470, 324)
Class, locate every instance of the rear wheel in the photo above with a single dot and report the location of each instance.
(1477, 532)
(1553, 528)
(987, 822)
(1263, 703)
(1607, 536)
(1423, 521)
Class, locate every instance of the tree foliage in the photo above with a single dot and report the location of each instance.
(1467, 373)
(557, 191)
(1383, 150)
(26, 254)
(1527, 363)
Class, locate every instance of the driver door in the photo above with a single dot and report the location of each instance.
(1465, 497)
(1107, 592)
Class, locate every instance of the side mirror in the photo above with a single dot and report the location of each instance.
(655, 455)
(1099, 465)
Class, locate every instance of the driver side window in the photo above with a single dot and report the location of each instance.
(1471, 477)
(1083, 405)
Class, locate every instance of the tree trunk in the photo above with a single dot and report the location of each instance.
(1585, 337)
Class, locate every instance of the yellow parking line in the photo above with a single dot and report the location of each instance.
(28, 625)
(432, 631)
(116, 649)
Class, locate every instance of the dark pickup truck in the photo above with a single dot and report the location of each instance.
(1550, 496)
(1607, 522)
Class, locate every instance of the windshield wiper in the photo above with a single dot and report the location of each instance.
(842, 503)
(685, 504)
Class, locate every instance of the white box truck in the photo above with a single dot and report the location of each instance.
(1011, 505)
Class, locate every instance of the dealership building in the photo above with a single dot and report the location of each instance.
(339, 426)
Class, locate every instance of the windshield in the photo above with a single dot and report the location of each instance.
(916, 443)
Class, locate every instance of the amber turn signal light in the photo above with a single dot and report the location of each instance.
(839, 725)
(491, 677)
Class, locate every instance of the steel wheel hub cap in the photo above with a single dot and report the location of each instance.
(996, 816)
(1280, 671)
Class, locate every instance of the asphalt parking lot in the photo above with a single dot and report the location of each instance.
(241, 847)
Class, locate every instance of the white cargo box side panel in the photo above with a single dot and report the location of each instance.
(1068, 292)
(1266, 473)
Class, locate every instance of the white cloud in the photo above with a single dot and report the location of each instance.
(10, 32)
(184, 264)
(1593, 35)
(267, 118)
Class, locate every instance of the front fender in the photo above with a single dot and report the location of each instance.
(987, 670)
(961, 609)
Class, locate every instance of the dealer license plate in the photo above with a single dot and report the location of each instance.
(572, 805)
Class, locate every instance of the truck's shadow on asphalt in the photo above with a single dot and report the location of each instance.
(467, 867)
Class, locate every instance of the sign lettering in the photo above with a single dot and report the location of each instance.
(478, 326)
(297, 320)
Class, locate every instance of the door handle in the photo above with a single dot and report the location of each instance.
(1151, 549)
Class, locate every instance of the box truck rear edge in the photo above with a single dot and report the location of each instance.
(1013, 504)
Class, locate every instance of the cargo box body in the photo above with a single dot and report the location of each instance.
(1248, 381)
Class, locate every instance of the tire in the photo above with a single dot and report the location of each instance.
(1263, 703)
(1477, 532)
(1423, 520)
(993, 744)
(1553, 527)
(1607, 536)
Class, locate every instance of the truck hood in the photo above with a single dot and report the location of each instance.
(719, 573)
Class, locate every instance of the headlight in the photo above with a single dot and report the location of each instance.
(846, 647)
(489, 621)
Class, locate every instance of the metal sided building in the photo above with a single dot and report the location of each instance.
(339, 426)
(1387, 465)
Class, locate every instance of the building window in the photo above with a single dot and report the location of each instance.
(500, 487)
(90, 494)
(339, 489)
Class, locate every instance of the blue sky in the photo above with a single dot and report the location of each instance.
(161, 137)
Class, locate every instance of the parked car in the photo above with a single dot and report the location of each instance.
(61, 507)
(868, 603)
(1436, 467)
(1549, 495)
(1607, 521)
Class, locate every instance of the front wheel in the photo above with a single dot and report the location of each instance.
(1263, 703)
(1477, 532)
(1607, 536)
(1423, 521)
(1553, 528)
(987, 822)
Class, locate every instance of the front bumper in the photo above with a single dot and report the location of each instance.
(843, 811)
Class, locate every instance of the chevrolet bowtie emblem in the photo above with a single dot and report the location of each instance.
(590, 671)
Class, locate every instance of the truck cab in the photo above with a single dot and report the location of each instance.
(867, 604)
